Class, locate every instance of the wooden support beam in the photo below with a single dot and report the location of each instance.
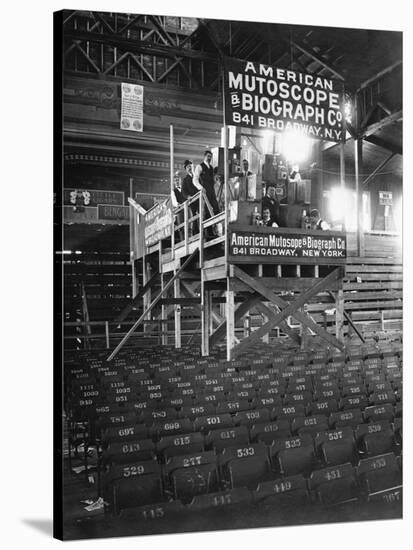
(379, 75)
(191, 293)
(139, 46)
(167, 286)
(261, 307)
(177, 313)
(242, 309)
(230, 320)
(127, 309)
(380, 142)
(205, 317)
(291, 309)
(379, 167)
(317, 59)
(373, 128)
(340, 316)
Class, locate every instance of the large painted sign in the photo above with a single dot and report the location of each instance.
(300, 247)
(260, 96)
(158, 223)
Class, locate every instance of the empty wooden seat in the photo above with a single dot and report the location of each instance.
(135, 491)
(309, 424)
(171, 427)
(206, 423)
(129, 451)
(379, 473)
(194, 480)
(223, 499)
(286, 493)
(336, 446)
(227, 437)
(179, 444)
(353, 402)
(350, 417)
(326, 406)
(267, 432)
(375, 438)
(335, 485)
(246, 465)
(251, 417)
(293, 455)
(379, 412)
(124, 432)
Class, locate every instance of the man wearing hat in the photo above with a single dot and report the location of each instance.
(204, 179)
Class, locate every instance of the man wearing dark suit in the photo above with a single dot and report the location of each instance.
(204, 179)
(189, 190)
(270, 201)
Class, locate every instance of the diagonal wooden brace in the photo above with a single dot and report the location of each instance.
(265, 310)
(288, 309)
(242, 309)
(151, 306)
(129, 307)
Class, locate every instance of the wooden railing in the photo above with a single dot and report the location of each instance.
(189, 227)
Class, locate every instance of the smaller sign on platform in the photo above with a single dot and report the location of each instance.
(386, 198)
(158, 223)
(279, 245)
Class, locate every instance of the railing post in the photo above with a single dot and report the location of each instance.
(186, 227)
(201, 229)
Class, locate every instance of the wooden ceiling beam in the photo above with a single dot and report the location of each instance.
(317, 59)
(378, 168)
(139, 46)
(379, 75)
(373, 128)
(379, 142)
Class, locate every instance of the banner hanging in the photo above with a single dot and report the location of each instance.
(263, 97)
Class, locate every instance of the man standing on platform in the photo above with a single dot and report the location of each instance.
(204, 179)
(270, 201)
(189, 190)
(243, 189)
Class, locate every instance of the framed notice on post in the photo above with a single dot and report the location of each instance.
(131, 117)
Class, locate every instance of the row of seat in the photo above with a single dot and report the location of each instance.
(148, 483)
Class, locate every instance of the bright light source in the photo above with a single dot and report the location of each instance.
(268, 141)
(295, 146)
(339, 203)
(78, 252)
(343, 208)
(67, 251)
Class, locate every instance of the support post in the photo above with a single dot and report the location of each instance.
(107, 334)
(358, 164)
(147, 298)
(340, 315)
(171, 176)
(205, 316)
(230, 310)
(177, 313)
(226, 193)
